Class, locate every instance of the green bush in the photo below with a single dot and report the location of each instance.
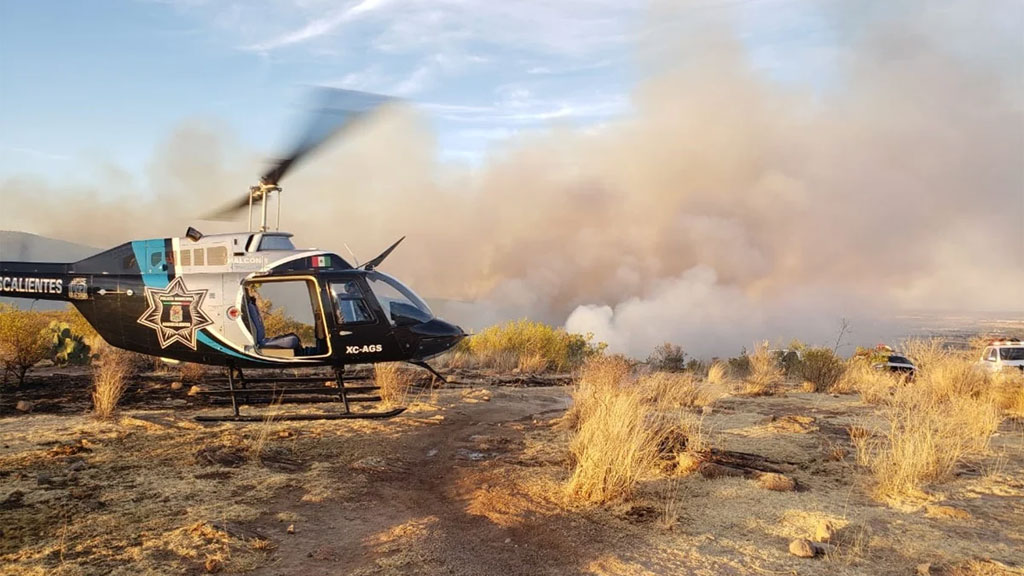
(821, 367)
(24, 341)
(522, 342)
(667, 357)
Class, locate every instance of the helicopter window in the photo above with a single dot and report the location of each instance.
(399, 302)
(276, 243)
(217, 256)
(130, 263)
(185, 257)
(198, 255)
(351, 307)
(155, 258)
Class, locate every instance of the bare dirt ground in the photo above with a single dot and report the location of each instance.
(469, 481)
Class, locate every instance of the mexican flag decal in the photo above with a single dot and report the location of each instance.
(321, 261)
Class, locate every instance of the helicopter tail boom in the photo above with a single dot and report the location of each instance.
(37, 281)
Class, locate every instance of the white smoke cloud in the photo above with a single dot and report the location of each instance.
(728, 209)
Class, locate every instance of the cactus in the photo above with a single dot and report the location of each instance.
(67, 347)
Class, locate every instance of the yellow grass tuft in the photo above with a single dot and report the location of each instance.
(718, 374)
(623, 425)
(946, 415)
(394, 382)
(766, 375)
(111, 377)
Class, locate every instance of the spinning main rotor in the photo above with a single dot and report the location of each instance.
(335, 111)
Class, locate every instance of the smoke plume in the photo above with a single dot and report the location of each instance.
(728, 207)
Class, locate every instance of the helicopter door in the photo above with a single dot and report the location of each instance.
(286, 317)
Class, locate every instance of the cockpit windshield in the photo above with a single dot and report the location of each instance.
(401, 304)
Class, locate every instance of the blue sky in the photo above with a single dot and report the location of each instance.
(99, 81)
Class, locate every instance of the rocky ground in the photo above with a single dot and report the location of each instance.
(468, 481)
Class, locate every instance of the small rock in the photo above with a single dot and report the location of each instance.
(23, 406)
(194, 390)
(290, 529)
(776, 482)
(507, 540)
(177, 385)
(78, 465)
(824, 531)
(924, 569)
(803, 548)
(940, 511)
(432, 453)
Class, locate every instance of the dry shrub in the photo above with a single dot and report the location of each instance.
(394, 382)
(951, 377)
(718, 374)
(532, 364)
(1008, 392)
(192, 373)
(874, 386)
(623, 426)
(614, 443)
(822, 368)
(925, 352)
(111, 375)
(766, 375)
(946, 415)
(679, 389)
(24, 341)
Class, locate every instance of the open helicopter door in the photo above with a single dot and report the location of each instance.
(286, 317)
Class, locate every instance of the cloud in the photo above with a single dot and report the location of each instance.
(319, 26)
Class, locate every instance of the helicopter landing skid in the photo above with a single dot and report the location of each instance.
(335, 391)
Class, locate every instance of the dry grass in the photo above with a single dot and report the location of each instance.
(394, 382)
(718, 374)
(114, 369)
(626, 426)
(874, 386)
(932, 425)
(766, 375)
(614, 442)
(533, 364)
(1008, 391)
(680, 389)
(192, 373)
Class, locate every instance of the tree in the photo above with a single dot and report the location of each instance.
(24, 341)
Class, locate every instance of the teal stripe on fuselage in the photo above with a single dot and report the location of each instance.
(156, 277)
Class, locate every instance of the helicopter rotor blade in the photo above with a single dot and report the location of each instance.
(228, 211)
(376, 261)
(336, 112)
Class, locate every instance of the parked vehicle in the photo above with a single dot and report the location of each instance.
(1002, 356)
(898, 364)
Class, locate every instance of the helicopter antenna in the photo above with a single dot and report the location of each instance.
(352, 254)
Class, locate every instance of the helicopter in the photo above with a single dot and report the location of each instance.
(204, 298)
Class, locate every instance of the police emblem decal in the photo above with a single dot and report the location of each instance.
(175, 313)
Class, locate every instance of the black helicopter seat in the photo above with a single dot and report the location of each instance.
(285, 342)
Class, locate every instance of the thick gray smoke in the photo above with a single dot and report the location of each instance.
(728, 208)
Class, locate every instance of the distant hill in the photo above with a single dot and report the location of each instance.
(25, 247)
